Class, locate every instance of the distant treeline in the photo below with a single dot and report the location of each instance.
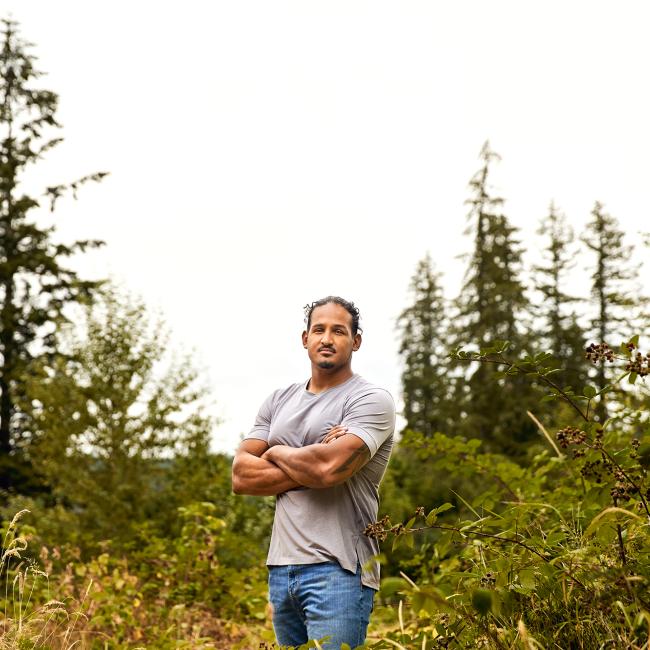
(497, 303)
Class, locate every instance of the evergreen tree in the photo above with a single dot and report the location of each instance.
(35, 286)
(491, 308)
(422, 327)
(560, 332)
(615, 305)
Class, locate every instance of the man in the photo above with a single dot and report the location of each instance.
(322, 447)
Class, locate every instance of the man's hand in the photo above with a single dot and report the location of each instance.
(251, 474)
(334, 433)
(322, 465)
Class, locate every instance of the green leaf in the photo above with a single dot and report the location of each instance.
(632, 377)
(589, 391)
(444, 507)
(409, 523)
(527, 578)
(391, 585)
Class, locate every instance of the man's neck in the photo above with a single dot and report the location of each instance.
(322, 379)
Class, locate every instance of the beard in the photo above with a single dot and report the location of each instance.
(326, 365)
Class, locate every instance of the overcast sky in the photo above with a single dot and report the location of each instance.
(264, 154)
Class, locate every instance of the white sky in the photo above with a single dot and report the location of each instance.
(264, 154)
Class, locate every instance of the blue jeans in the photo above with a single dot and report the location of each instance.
(313, 601)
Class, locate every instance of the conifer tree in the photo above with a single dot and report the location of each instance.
(422, 326)
(35, 285)
(611, 284)
(560, 332)
(491, 308)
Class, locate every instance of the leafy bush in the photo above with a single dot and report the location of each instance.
(169, 593)
(554, 554)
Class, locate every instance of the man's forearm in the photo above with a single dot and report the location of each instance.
(259, 477)
(302, 464)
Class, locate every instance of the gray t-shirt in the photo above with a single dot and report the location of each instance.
(321, 525)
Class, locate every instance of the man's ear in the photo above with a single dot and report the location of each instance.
(357, 342)
(304, 340)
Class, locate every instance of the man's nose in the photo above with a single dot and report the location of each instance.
(326, 338)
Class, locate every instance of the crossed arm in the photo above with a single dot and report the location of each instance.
(261, 470)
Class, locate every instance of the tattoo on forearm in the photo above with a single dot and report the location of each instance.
(356, 460)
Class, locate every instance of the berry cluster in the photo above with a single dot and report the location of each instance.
(596, 470)
(624, 489)
(639, 364)
(380, 529)
(488, 579)
(599, 352)
(570, 436)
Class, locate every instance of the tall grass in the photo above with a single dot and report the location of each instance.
(26, 623)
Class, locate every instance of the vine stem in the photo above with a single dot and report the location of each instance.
(504, 362)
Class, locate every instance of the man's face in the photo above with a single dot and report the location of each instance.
(329, 341)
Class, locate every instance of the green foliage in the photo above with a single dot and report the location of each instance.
(551, 554)
(205, 588)
(35, 285)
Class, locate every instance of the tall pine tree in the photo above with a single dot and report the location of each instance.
(560, 331)
(612, 285)
(35, 286)
(422, 328)
(491, 308)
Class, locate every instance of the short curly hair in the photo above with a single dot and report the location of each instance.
(337, 300)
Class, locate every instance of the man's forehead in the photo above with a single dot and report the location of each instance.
(331, 313)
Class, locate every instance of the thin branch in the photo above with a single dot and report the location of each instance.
(511, 540)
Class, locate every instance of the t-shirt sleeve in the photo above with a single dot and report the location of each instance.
(371, 417)
(262, 426)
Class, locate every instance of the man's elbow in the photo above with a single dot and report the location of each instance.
(238, 484)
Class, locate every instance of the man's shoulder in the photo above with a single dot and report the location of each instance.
(362, 388)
